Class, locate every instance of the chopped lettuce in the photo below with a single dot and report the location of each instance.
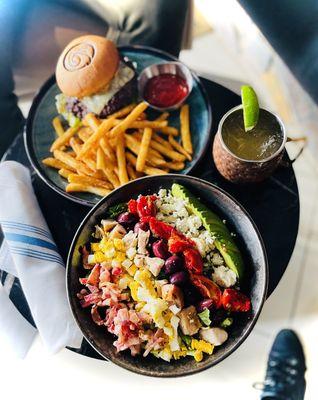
(119, 208)
(205, 317)
(186, 340)
(227, 322)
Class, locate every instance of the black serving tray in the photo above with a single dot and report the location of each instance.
(273, 205)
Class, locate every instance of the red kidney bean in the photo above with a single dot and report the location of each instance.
(179, 278)
(144, 226)
(173, 264)
(203, 304)
(160, 249)
(126, 219)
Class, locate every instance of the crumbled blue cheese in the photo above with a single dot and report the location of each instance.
(224, 276)
(173, 210)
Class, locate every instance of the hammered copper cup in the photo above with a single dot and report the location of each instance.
(239, 170)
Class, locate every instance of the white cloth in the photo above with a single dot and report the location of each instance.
(32, 256)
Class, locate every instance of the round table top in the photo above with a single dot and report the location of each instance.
(273, 204)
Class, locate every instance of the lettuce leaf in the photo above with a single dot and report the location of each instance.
(205, 317)
(119, 208)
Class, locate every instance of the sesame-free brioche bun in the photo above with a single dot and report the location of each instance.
(86, 65)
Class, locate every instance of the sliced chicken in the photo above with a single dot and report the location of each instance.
(143, 238)
(189, 321)
(159, 283)
(172, 294)
(108, 224)
(117, 232)
(154, 264)
(215, 336)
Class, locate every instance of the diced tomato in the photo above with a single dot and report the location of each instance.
(160, 229)
(235, 301)
(178, 243)
(193, 260)
(132, 206)
(93, 277)
(207, 288)
(146, 206)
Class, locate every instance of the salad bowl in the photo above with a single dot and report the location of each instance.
(253, 283)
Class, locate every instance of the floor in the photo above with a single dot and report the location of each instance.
(293, 304)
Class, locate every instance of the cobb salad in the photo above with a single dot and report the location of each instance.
(163, 276)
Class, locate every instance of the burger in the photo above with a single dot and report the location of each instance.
(93, 78)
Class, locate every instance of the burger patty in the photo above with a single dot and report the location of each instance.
(120, 99)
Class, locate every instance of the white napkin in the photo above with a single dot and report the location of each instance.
(32, 256)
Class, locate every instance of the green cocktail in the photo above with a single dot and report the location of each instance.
(257, 144)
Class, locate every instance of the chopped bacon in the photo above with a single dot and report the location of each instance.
(104, 276)
(116, 271)
(90, 299)
(154, 341)
(96, 316)
(93, 277)
(83, 281)
(85, 253)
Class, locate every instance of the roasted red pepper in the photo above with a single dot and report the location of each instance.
(132, 206)
(207, 288)
(160, 229)
(178, 243)
(146, 206)
(193, 260)
(235, 301)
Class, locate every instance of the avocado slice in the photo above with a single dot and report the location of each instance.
(223, 239)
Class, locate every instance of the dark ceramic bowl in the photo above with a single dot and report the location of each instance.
(254, 283)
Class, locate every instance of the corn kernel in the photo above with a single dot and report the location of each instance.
(202, 345)
(133, 286)
(99, 257)
(95, 247)
(132, 270)
(198, 355)
(120, 256)
(178, 354)
(119, 245)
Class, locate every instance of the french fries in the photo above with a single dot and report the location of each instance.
(57, 164)
(144, 147)
(88, 180)
(62, 140)
(144, 124)
(99, 155)
(93, 140)
(179, 148)
(58, 127)
(185, 129)
(130, 118)
(78, 187)
(121, 159)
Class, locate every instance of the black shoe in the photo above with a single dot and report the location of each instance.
(285, 375)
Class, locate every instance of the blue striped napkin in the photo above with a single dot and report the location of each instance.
(30, 254)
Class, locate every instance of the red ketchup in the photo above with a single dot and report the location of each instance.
(165, 90)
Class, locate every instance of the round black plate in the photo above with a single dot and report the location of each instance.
(273, 205)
